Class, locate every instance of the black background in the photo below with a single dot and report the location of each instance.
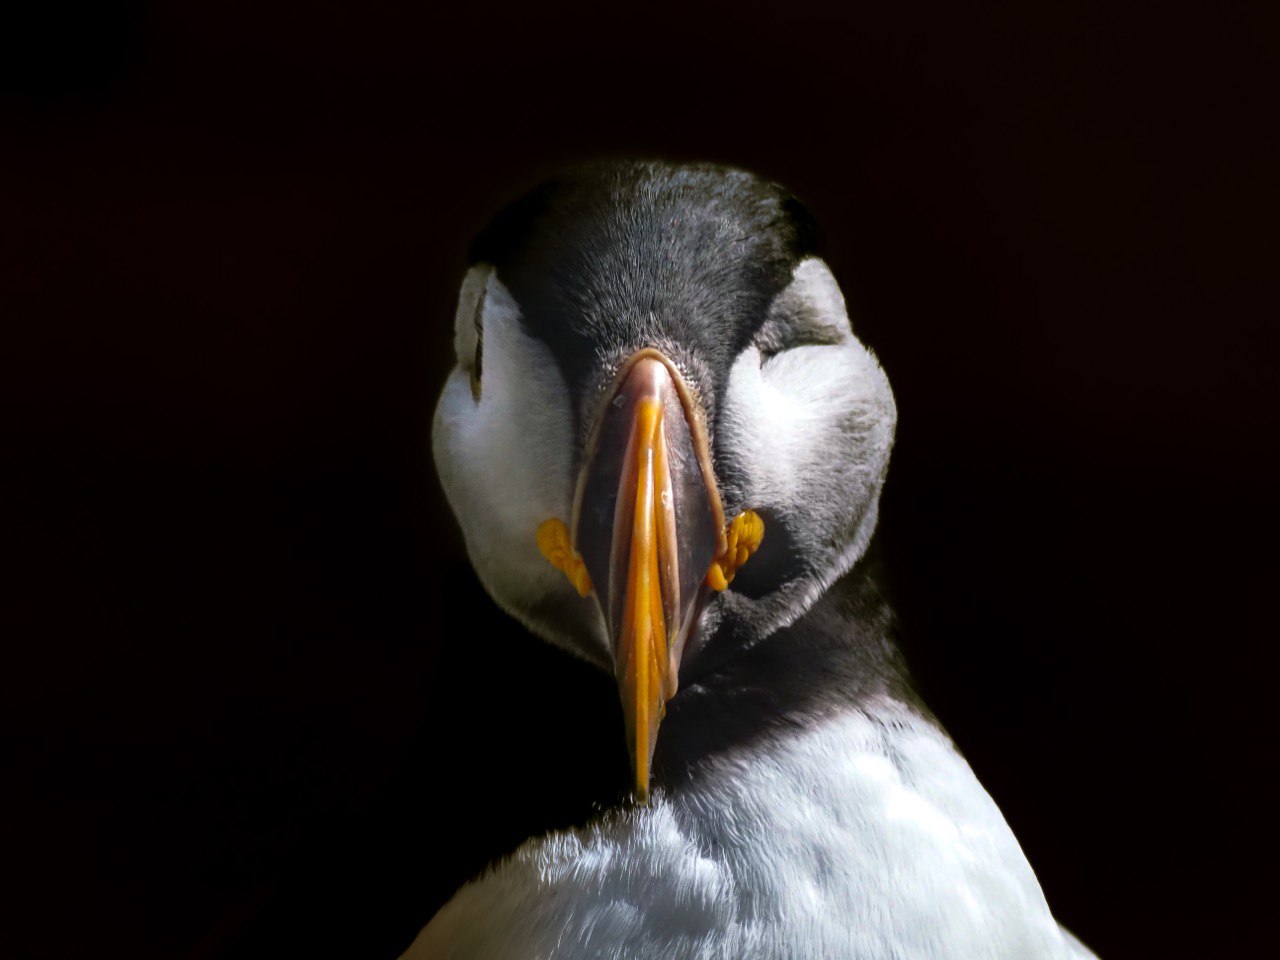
(253, 702)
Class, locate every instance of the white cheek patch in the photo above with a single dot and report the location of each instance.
(809, 432)
(815, 415)
(466, 332)
(794, 412)
(506, 463)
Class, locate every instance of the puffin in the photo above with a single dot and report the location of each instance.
(665, 447)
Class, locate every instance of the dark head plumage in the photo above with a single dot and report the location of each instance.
(610, 257)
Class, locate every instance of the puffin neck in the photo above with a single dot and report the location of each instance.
(837, 658)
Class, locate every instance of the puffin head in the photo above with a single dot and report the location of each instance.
(662, 440)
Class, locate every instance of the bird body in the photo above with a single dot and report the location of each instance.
(850, 828)
(644, 352)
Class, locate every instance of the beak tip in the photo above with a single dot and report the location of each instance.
(640, 793)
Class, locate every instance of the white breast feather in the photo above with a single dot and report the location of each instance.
(861, 839)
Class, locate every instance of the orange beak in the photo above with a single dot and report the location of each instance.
(647, 523)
